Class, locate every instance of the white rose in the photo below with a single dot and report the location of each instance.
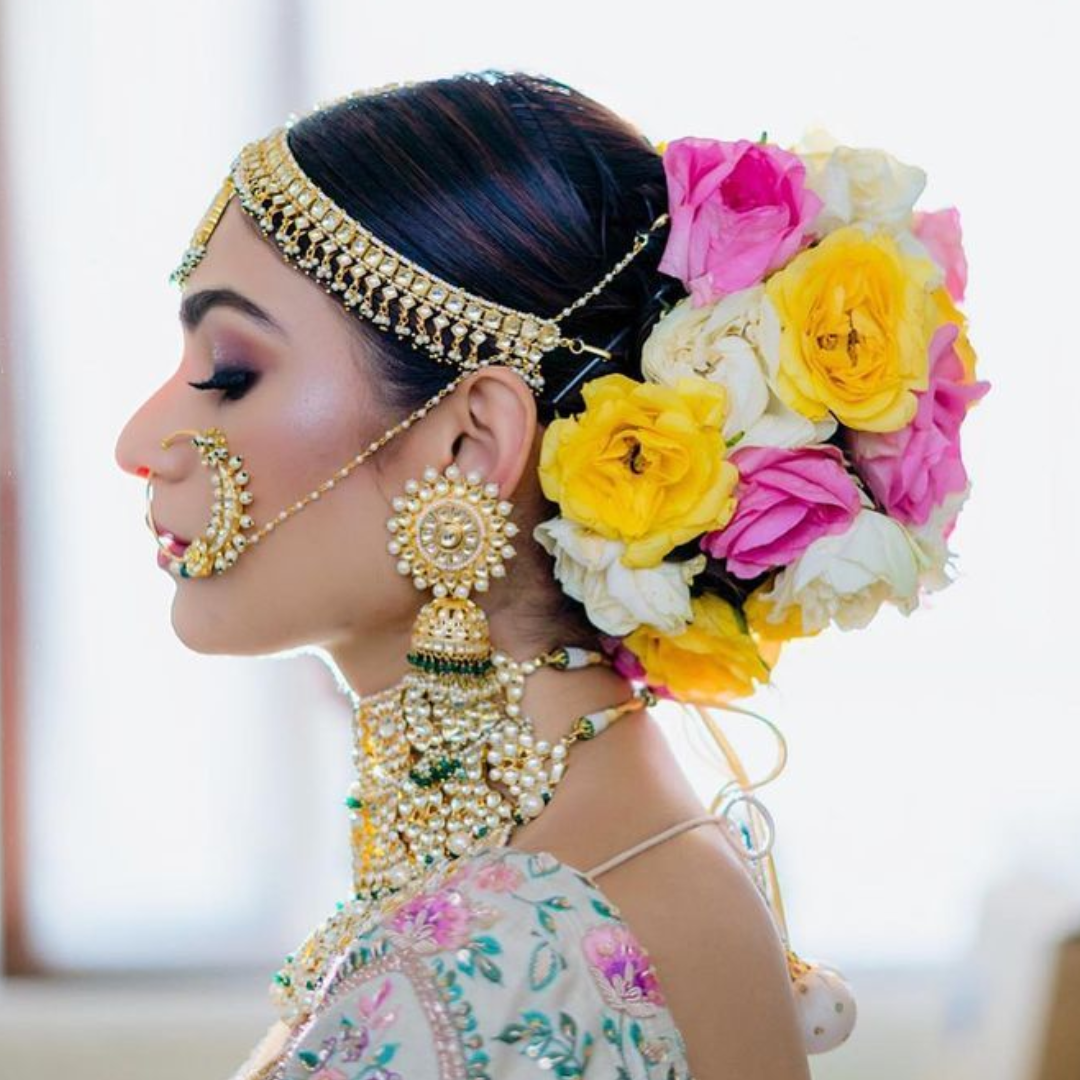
(734, 342)
(617, 598)
(847, 577)
(857, 184)
(932, 543)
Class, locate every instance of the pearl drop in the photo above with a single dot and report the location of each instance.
(826, 1008)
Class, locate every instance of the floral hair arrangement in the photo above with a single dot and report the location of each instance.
(791, 457)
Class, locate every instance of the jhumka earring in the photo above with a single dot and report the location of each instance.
(463, 765)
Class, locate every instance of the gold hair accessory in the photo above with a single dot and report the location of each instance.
(367, 275)
(447, 761)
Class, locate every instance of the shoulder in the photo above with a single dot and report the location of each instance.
(717, 954)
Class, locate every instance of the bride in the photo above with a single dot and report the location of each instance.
(374, 409)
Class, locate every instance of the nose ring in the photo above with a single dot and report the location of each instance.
(223, 540)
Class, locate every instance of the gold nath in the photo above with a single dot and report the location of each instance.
(321, 239)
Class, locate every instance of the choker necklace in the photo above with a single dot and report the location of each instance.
(441, 775)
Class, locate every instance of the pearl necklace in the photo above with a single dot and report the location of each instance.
(446, 768)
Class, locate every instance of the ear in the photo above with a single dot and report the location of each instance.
(497, 418)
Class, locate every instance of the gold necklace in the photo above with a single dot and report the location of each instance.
(440, 776)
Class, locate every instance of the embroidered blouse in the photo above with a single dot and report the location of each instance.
(507, 965)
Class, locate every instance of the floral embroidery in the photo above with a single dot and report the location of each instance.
(431, 922)
(622, 969)
(553, 1047)
(357, 1041)
(512, 966)
(498, 877)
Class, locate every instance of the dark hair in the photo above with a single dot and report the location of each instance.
(515, 187)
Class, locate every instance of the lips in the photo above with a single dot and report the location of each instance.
(177, 545)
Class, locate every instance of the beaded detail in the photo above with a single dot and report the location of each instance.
(319, 238)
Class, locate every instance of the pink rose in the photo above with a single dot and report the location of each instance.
(939, 231)
(912, 470)
(738, 211)
(785, 500)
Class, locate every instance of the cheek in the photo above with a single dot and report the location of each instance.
(327, 565)
(310, 431)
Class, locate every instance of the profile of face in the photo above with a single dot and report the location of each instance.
(308, 404)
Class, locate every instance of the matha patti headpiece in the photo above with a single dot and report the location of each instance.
(383, 285)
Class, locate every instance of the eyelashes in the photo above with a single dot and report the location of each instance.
(233, 382)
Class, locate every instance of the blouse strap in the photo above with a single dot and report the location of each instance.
(650, 841)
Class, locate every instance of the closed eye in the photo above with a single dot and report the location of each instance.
(233, 382)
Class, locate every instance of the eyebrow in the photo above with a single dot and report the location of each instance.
(195, 305)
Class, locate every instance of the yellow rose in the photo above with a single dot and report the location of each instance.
(949, 312)
(856, 320)
(758, 614)
(714, 660)
(643, 464)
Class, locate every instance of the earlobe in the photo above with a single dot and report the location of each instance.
(500, 424)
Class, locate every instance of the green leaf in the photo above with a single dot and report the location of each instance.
(603, 909)
(543, 965)
(491, 971)
(568, 1026)
(486, 944)
(386, 1052)
(512, 1033)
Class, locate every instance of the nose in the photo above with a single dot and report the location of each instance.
(138, 447)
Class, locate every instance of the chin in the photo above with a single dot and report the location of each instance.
(217, 617)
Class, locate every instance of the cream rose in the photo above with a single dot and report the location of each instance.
(733, 342)
(932, 540)
(617, 598)
(857, 184)
(847, 577)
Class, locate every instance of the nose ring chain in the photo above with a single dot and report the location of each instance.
(224, 539)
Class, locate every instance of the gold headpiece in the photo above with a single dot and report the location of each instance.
(367, 275)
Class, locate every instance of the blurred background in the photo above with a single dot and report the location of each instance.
(173, 823)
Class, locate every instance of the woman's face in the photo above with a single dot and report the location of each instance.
(324, 575)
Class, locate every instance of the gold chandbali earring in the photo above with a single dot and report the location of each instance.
(447, 761)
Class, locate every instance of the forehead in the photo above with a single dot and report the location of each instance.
(238, 257)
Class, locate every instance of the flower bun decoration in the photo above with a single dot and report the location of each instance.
(791, 457)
